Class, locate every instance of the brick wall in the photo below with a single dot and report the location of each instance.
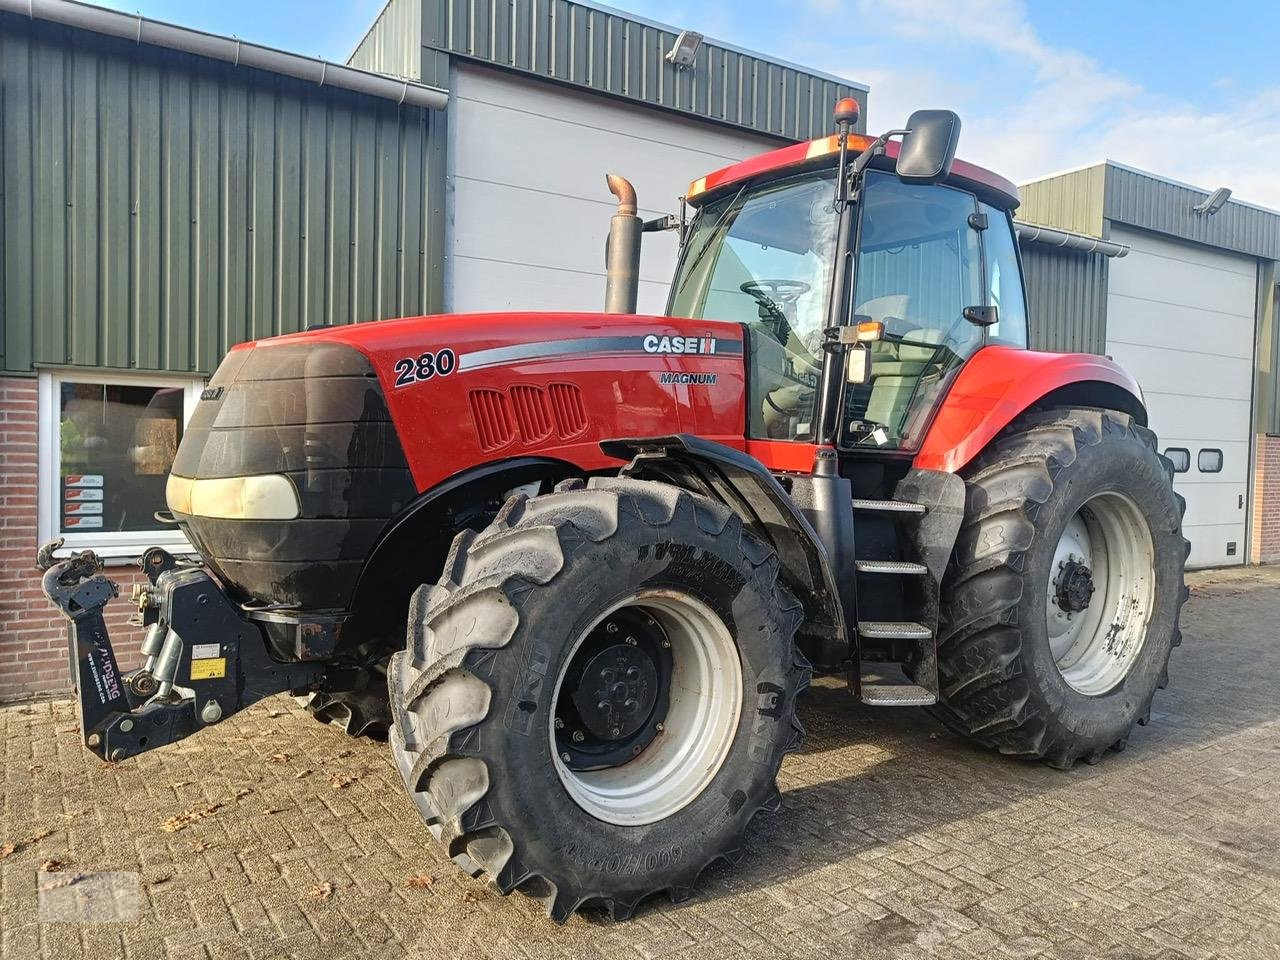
(1266, 500)
(33, 649)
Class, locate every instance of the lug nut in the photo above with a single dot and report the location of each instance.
(617, 731)
(578, 736)
(565, 757)
(559, 724)
(666, 644)
(659, 727)
(631, 641)
(611, 627)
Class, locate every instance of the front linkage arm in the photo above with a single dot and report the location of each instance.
(205, 658)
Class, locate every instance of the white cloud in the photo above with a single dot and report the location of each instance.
(1030, 107)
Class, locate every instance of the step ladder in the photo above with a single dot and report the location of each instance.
(871, 685)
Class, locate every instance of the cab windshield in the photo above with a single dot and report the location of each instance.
(763, 257)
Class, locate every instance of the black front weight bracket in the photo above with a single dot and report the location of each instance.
(213, 660)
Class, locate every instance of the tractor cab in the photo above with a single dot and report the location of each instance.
(932, 264)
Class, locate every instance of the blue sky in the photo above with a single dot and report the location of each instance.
(1188, 90)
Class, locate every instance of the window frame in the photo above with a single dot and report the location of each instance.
(116, 545)
(994, 213)
(1222, 459)
(1186, 450)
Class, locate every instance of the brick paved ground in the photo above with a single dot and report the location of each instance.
(895, 838)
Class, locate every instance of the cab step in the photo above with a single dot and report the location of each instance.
(893, 630)
(897, 695)
(899, 567)
(889, 506)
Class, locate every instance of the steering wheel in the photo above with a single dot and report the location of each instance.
(773, 296)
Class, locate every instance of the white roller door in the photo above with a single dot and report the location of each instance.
(1180, 318)
(529, 209)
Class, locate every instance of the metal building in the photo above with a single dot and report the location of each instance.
(166, 193)
(1186, 302)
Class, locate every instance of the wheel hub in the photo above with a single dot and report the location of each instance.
(615, 692)
(1075, 586)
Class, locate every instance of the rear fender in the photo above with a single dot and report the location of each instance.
(746, 486)
(999, 383)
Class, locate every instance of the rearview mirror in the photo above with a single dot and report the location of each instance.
(928, 147)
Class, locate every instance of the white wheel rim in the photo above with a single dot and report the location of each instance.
(1096, 647)
(703, 710)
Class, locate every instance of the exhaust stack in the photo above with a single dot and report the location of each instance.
(622, 249)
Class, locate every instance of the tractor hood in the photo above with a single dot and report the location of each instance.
(304, 447)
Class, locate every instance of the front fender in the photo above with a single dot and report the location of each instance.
(999, 383)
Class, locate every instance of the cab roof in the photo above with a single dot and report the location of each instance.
(823, 152)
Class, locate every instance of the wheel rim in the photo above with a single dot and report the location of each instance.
(632, 773)
(1101, 593)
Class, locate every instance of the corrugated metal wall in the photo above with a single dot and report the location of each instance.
(158, 208)
(394, 43)
(1070, 201)
(611, 53)
(1148, 202)
(1066, 299)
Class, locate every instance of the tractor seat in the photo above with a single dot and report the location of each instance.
(896, 368)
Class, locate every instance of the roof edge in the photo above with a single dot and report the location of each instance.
(233, 50)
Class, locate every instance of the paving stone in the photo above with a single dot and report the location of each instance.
(895, 838)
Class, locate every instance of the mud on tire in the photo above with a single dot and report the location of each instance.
(472, 695)
(999, 682)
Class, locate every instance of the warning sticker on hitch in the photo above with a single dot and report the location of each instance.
(214, 668)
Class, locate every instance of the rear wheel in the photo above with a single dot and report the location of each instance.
(595, 700)
(1061, 605)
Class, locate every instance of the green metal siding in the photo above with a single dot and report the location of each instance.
(1148, 202)
(394, 43)
(608, 52)
(159, 207)
(1070, 201)
(1066, 299)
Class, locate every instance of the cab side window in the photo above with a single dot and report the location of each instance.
(1004, 280)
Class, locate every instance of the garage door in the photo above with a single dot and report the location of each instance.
(529, 207)
(1181, 319)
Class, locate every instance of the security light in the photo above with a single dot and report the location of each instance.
(1214, 202)
(684, 50)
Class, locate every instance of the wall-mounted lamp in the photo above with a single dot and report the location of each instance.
(1214, 202)
(685, 49)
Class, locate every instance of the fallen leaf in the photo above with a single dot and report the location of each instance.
(420, 881)
(321, 891)
(8, 850)
(302, 773)
(180, 821)
(51, 866)
(475, 896)
(37, 836)
(67, 880)
(341, 781)
(280, 758)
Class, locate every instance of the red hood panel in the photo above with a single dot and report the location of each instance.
(465, 389)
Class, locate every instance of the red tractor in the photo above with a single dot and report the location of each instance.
(620, 545)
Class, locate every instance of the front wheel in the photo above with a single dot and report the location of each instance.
(594, 701)
(1061, 605)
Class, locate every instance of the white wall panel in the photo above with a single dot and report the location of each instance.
(529, 209)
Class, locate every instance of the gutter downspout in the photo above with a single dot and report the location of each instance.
(232, 50)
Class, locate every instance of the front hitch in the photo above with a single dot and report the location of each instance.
(205, 659)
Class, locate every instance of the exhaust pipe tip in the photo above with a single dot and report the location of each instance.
(621, 188)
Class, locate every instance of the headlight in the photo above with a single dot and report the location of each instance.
(267, 497)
